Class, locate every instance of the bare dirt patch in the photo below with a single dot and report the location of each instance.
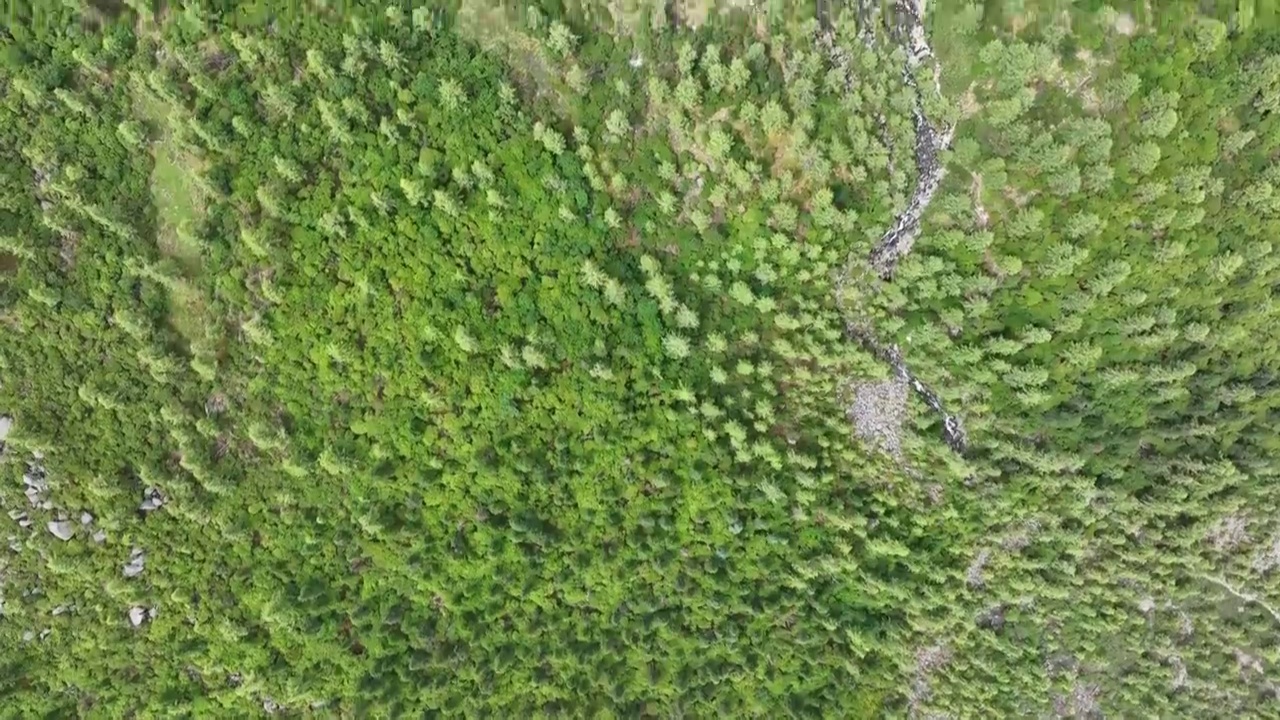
(981, 217)
(969, 105)
(1125, 24)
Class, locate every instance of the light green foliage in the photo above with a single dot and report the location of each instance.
(503, 375)
(561, 40)
(464, 340)
(616, 126)
(675, 346)
(452, 95)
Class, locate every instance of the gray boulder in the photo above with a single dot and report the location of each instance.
(62, 529)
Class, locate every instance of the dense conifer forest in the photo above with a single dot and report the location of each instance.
(640, 359)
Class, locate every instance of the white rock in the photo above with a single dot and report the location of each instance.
(100, 536)
(136, 564)
(151, 500)
(62, 529)
(34, 478)
(85, 518)
(6, 424)
(137, 616)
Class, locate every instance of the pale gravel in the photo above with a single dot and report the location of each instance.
(878, 411)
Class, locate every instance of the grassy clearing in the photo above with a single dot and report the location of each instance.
(493, 28)
(180, 206)
(178, 199)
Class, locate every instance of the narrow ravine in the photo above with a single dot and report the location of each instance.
(931, 140)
